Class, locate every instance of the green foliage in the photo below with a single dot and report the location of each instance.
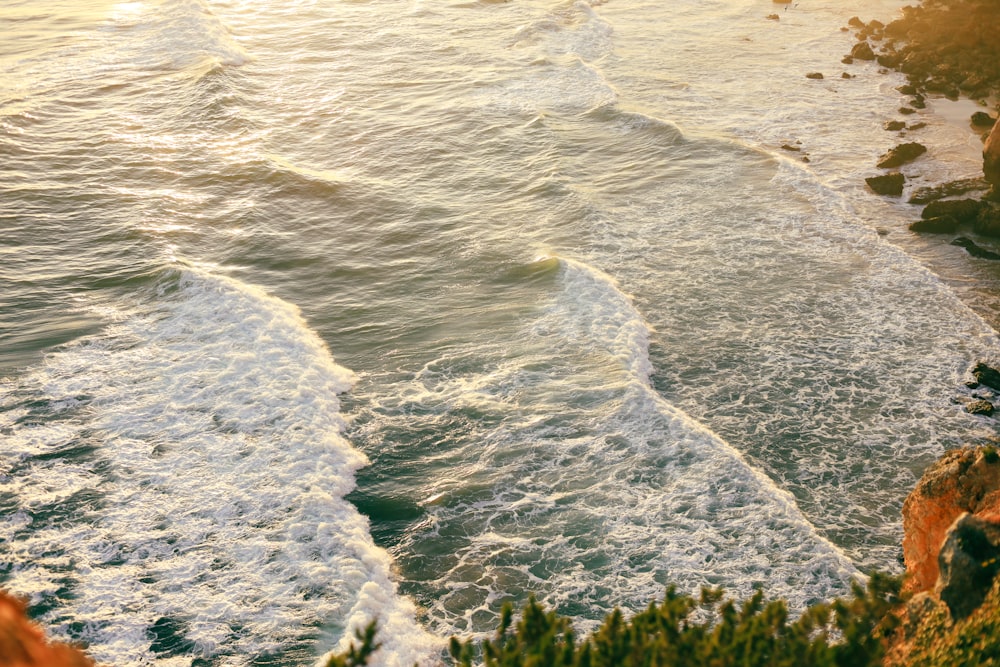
(357, 656)
(755, 633)
(970, 642)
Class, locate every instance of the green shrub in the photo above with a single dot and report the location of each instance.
(844, 633)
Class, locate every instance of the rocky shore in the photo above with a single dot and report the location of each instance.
(946, 48)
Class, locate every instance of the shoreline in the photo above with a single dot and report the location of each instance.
(939, 46)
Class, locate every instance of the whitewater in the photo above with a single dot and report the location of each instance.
(320, 312)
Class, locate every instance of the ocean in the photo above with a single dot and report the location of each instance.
(320, 311)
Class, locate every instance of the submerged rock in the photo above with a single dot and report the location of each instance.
(951, 189)
(887, 184)
(901, 154)
(974, 250)
(894, 125)
(980, 407)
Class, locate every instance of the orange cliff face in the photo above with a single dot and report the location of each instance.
(966, 480)
(22, 643)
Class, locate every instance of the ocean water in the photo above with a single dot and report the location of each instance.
(317, 311)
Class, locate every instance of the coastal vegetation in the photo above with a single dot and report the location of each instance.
(685, 631)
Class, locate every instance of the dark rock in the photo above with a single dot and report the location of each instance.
(847, 60)
(975, 251)
(901, 154)
(890, 60)
(855, 22)
(986, 375)
(916, 126)
(789, 147)
(814, 75)
(887, 184)
(968, 561)
(906, 111)
(894, 125)
(982, 119)
(991, 156)
(862, 51)
(950, 189)
(944, 224)
(845, 75)
(988, 220)
(918, 102)
(963, 210)
(908, 89)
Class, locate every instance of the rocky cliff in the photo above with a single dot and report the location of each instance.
(951, 546)
(22, 643)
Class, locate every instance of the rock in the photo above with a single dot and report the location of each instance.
(907, 89)
(773, 17)
(906, 111)
(789, 147)
(966, 211)
(950, 189)
(901, 154)
(890, 60)
(975, 251)
(982, 119)
(855, 22)
(969, 561)
(918, 102)
(894, 125)
(814, 75)
(862, 51)
(980, 407)
(845, 75)
(988, 220)
(963, 480)
(916, 126)
(847, 60)
(887, 184)
(991, 156)
(943, 224)
(22, 643)
(986, 375)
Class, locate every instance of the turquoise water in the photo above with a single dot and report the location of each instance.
(320, 311)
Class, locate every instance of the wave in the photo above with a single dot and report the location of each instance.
(567, 475)
(175, 487)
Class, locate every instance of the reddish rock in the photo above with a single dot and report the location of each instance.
(22, 643)
(963, 480)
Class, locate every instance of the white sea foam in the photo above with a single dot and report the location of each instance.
(197, 483)
(583, 485)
